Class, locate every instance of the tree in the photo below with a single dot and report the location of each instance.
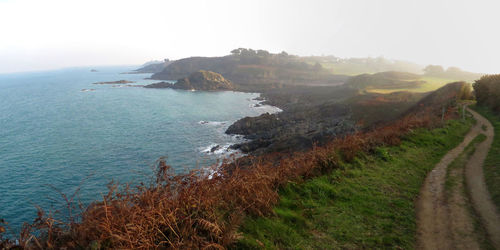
(263, 53)
(248, 52)
(235, 52)
(434, 70)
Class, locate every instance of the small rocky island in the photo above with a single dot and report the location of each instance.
(115, 82)
(200, 80)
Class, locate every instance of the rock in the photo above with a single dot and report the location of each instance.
(159, 85)
(204, 80)
(213, 149)
(251, 125)
(200, 80)
(294, 129)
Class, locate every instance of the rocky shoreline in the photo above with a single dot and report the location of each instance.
(309, 114)
(233, 148)
(293, 129)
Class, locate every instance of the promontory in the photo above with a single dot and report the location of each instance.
(199, 80)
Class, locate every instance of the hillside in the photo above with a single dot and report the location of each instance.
(152, 67)
(371, 109)
(367, 65)
(317, 114)
(367, 203)
(453, 73)
(259, 71)
(386, 80)
(252, 70)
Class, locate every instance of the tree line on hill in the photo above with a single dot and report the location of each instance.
(450, 73)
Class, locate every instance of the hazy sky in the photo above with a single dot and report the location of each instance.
(39, 35)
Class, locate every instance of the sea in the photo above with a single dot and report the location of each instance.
(63, 137)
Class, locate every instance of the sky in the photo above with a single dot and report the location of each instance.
(50, 34)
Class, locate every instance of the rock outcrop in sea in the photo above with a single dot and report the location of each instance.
(199, 80)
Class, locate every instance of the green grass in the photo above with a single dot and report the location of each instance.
(431, 84)
(492, 164)
(365, 204)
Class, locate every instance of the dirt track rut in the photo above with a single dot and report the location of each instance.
(444, 222)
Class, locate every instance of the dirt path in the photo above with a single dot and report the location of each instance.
(444, 222)
(474, 177)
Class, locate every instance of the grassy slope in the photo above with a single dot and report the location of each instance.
(365, 204)
(393, 81)
(431, 84)
(492, 163)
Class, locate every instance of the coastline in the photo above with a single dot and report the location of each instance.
(122, 131)
(306, 115)
(227, 150)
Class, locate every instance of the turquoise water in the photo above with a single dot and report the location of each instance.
(53, 134)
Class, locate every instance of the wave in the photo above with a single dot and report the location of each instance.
(212, 123)
(257, 104)
(222, 150)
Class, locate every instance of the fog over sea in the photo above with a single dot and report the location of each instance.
(58, 129)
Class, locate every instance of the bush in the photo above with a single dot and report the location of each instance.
(487, 90)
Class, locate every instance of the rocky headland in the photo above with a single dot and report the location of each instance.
(200, 80)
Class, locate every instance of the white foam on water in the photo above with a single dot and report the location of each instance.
(257, 104)
(222, 150)
(212, 123)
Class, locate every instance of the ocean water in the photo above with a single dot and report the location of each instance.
(54, 135)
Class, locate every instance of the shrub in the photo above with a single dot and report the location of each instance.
(487, 91)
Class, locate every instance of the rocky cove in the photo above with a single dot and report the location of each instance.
(317, 104)
(305, 118)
